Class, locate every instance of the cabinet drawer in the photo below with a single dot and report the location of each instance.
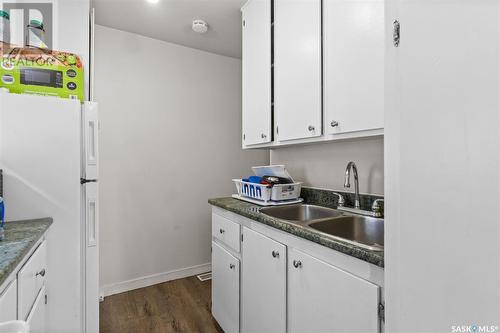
(226, 231)
(30, 279)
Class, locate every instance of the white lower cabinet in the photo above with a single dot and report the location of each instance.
(36, 318)
(225, 289)
(283, 289)
(8, 303)
(31, 279)
(323, 298)
(263, 283)
(25, 297)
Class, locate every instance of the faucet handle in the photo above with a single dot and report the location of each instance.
(341, 200)
(377, 208)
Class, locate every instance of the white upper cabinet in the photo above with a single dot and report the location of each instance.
(297, 69)
(353, 65)
(313, 70)
(256, 71)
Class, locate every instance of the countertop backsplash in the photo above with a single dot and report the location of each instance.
(326, 198)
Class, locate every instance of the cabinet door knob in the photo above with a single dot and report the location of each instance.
(311, 128)
(263, 136)
(231, 266)
(275, 254)
(41, 273)
(297, 263)
(221, 231)
(334, 123)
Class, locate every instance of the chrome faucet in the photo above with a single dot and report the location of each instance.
(377, 208)
(347, 184)
(340, 199)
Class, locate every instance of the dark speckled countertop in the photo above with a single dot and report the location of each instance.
(20, 236)
(251, 211)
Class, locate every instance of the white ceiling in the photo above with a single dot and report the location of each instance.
(170, 20)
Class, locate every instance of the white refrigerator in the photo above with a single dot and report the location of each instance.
(49, 155)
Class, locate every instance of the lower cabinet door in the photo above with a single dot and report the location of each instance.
(30, 280)
(323, 298)
(225, 289)
(8, 303)
(263, 284)
(36, 318)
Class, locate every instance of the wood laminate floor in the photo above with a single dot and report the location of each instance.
(182, 305)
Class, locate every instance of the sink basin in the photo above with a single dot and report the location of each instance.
(360, 230)
(367, 232)
(300, 213)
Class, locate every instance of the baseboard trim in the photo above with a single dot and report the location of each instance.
(146, 281)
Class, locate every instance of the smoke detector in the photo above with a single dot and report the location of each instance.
(200, 26)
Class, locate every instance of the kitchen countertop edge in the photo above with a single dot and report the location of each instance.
(251, 211)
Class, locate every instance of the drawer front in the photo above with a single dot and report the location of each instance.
(228, 232)
(31, 279)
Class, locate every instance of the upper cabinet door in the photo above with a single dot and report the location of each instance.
(297, 69)
(353, 65)
(256, 71)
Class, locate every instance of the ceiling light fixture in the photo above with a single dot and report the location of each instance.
(153, 1)
(200, 26)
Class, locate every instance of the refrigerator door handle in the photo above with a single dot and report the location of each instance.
(91, 223)
(91, 140)
(92, 143)
(92, 214)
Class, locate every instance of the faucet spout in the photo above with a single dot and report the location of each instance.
(352, 166)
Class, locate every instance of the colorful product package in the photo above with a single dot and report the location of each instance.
(30, 70)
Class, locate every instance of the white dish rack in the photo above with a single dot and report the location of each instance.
(268, 203)
(268, 195)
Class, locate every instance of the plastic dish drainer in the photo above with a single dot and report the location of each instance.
(266, 193)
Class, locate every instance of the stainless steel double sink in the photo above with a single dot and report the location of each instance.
(363, 231)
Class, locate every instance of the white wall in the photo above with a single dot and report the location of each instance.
(170, 139)
(323, 165)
